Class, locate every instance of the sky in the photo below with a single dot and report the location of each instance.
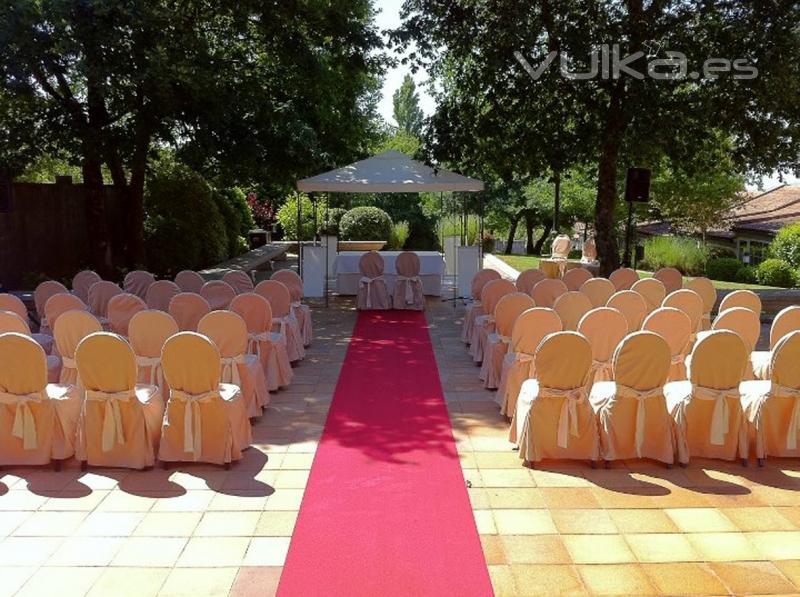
(388, 17)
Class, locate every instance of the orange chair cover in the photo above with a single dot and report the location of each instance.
(505, 314)
(554, 418)
(239, 281)
(707, 408)
(676, 328)
(653, 292)
(302, 312)
(121, 308)
(82, 282)
(576, 277)
(160, 294)
(571, 307)
(604, 328)
(219, 294)
(283, 320)
(120, 423)
(528, 279)
(229, 333)
(705, 288)
(147, 332)
(408, 285)
(623, 278)
(632, 416)
(269, 346)
(40, 296)
(547, 291)
(188, 308)
(741, 298)
(205, 420)
(137, 282)
(670, 277)
(631, 305)
(690, 303)
(479, 280)
(189, 281)
(785, 322)
(59, 304)
(372, 290)
(598, 291)
(99, 295)
(484, 325)
(37, 419)
(528, 331)
(72, 327)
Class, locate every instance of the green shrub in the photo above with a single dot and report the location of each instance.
(683, 254)
(183, 226)
(746, 275)
(399, 236)
(786, 245)
(488, 243)
(776, 272)
(287, 216)
(366, 223)
(330, 226)
(723, 268)
(232, 205)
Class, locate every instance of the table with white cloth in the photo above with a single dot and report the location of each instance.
(431, 270)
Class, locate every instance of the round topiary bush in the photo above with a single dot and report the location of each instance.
(746, 275)
(723, 268)
(365, 223)
(786, 245)
(776, 272)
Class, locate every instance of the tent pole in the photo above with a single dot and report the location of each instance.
(480, 229)
(327, 244)
(299, 235)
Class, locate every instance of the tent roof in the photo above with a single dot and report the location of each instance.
(388, 172)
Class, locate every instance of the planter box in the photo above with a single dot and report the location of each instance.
(361, 245)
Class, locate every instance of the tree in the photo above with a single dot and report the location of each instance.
(407, 113)
(226, 84)
(480, 51)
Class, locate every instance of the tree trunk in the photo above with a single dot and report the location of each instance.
(512, 231)
(530, 224)
(136, 254)
(557, 200)
(548, 228)
(94, 194)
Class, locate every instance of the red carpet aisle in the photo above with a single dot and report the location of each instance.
(386, 510)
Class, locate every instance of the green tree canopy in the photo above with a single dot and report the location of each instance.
(407, 113)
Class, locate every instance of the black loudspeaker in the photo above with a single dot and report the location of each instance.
(6, 191)
(637, 185)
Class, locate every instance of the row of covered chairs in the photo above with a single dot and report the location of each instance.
(640, 414)
(373, 293)
(112, 418)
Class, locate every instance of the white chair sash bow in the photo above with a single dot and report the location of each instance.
(254, 340)
(568, 418)
(230, 369)
(779, 391)
(113, 431)
(24, 425)
(192, 419)
(410, 281)
(156, 377)
(640, 396)
(721, 416)
(600, 367)
(367, 281)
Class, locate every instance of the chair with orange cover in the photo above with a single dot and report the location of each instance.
(60, 303)
(82, 282)
(228, 332)
(506, 312)
(528, 279)
(631, 305)
(705, 288)
(120, 421)
(571, 307)
(121, 308)
(268, 346)
(473, 310)
(219, 294)
(676, 328)
(283, 321)
(372, 290)
(71, 328)
(137, 283)
(40, 296)
(670, 277)
(527, 333)
(147, 332)
(604, 328)
(743, 322)
(742, 298)
(554, 418)
(188, 308)
(706, 407)
(189, 281)
(547, 291)
(484, 323)
(302, 313)
(37, 420)
(9, 302)
(100, 294)
(785, 322)
(598, 291)
(690, 303)
(576, 277)
(205, 420)
(11, 322)
(408, 285)
(653, 292)
(239, 281)
(160, 294)
(772, 407)
(632, 416)
(623, 278)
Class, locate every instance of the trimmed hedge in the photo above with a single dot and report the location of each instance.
(786, 245)
(366, 223)
(723, 268)
(232, 205)
(776, 272)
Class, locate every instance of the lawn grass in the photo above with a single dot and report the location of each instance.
(523, 262)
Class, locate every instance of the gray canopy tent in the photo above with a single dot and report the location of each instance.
(387, 172)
